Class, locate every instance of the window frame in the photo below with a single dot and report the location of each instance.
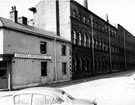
(43, 47)
(64, 68)
(63, 50)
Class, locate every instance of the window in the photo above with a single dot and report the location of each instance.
(103, 45)
(89, 41)
(74, 13)
(64, 71)
(48, 100)
(63, 49)
(88, 21)
(95, 43)
(23, 99)
(58, 101)
(79, 16)
(80, 39)
(43, 68)
(38, 99)
(84, 19)
(84, 40)
(43, 47)
(74, 37)
(100, 44)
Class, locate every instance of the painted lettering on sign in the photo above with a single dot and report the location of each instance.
(32, 56)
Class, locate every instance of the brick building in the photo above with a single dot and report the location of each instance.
(97, 46)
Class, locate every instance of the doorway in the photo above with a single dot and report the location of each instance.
(3, 75)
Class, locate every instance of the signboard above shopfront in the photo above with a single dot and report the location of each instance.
(32, 56)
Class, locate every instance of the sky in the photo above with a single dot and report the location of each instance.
(119, 11)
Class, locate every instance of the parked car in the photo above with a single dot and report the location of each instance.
(45, 96)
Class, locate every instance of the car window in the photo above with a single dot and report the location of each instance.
(22, 99)
(48, 100)
(58, 101)
(38, 99)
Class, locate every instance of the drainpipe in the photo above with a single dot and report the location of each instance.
(9, 81)
(9, 72)
(92, 43)
(110, 49)
(125, 52)
(55, 61)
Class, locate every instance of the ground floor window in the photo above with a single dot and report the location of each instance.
(64, 67)
(43, 68)
(3, 69)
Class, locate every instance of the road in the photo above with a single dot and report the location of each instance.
(114, 89)
(111, 89)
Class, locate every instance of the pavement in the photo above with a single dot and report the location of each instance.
(78, 81)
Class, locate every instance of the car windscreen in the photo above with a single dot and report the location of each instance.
(66, 95)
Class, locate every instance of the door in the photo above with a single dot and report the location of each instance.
(3, 75)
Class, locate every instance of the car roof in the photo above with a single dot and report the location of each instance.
(42, 90)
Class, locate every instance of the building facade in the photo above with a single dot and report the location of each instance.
(97, 46)
(30, 56)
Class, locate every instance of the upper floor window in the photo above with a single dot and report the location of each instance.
(74, 37)
(79, 16)
(74, 13)
(100, 44)
(88, 21)
(84, 19)
(84, 40)
(89, 41)
(63, 50)
(95, 43)
(43, 47)
(80, 39)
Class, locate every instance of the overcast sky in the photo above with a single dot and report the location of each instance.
(119, 11)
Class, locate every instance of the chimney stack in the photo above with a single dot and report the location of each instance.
(14, 14)
(22, 20)
(85, 3)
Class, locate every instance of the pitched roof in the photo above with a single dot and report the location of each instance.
(7, 23)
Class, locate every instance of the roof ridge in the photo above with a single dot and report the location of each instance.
(7, 23)
(1, 22)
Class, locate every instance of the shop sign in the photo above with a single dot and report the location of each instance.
(32, 56)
